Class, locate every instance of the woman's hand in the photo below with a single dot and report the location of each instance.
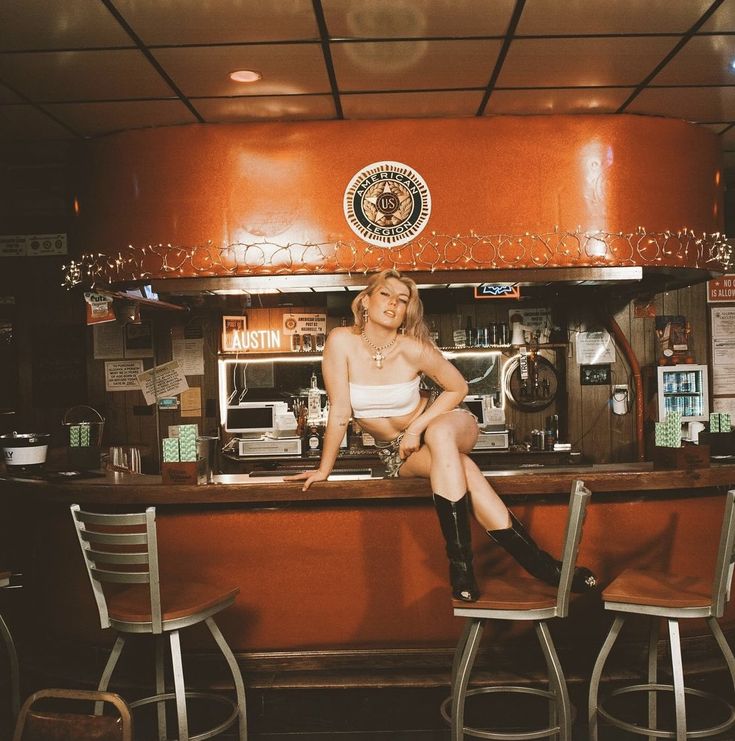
(410, 443)
(308, 477)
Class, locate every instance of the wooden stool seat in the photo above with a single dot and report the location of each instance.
(520, 593)
(179, 600)
(519, 598)
(659, 589)
(674, 597)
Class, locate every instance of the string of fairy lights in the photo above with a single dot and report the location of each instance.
(433, 252)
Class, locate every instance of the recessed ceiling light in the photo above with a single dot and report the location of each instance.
(245, 75)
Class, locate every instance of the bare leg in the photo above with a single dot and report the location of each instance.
(443, 459)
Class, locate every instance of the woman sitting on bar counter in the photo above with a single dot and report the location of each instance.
(372, 371)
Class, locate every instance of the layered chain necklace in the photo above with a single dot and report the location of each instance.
(378, 357)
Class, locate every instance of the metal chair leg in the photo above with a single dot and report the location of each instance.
(236, 676)
(14, 671)
(464, 669)
(677, 671)
(557, 680)
(160, 686)
(109, 668)
(653, 674)
(179, 689)
(460, 649)
(594, 691)
(716, 631)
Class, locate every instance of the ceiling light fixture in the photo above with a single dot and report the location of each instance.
(245, 75)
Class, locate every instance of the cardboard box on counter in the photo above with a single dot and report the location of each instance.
(185, 472)
(687, 457)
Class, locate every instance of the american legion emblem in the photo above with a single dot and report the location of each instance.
(387, 204)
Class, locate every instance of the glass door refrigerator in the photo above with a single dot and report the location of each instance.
(683, 389)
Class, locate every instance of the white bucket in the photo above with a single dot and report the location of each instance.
(21, 449)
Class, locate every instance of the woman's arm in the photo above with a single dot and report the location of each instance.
(334, 371)
(447, 377)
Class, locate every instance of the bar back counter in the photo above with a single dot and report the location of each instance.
(349, 579)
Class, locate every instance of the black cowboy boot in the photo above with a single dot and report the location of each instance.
(454, 518)
(516, 540)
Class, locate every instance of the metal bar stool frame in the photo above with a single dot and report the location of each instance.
(628, 594)
(122, 549)
(12, 652)
(552, 603)
(36, 726)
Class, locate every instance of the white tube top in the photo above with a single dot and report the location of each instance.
(390, 400)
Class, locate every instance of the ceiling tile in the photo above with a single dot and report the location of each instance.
(411, 105)
(50, 24)
(414, 65)
(266, 107)
(8, 96)
(722, 20)
(219, 21)
(728, 140)
(416, 18)
(572, 17)
(83, 75)
(715, 128)
(592, 61)
(585, 100)
(94, 119)
(286, 69)
(692, 104)
(22, 122)
(703, 60)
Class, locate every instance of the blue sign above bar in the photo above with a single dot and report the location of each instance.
(498, 290)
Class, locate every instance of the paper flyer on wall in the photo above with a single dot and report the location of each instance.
(122, 375)
(163, 380)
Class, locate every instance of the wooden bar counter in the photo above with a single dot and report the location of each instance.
(353, 571)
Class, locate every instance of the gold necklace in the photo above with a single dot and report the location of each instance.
(378, 357)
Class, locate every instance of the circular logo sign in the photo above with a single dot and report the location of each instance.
(387, 204)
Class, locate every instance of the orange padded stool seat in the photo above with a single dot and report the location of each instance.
(121, 555)
(673, 597)
(519, 598)
(12, 654)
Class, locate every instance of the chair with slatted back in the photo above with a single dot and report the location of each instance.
(121, 555)
(673, 597)
(54, 715)
(12, 654)
(519, 598)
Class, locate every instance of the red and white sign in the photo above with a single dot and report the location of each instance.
(720, 290)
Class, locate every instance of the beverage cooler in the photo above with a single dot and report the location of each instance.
(683, 389)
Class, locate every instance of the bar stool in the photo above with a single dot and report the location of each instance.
(122, 550)
(674, 597)
(39, 722)
(519, 598)
(12, 654)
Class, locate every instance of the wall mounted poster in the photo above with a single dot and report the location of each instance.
(723, 351)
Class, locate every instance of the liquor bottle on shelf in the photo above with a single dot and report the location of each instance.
(434, 332)
(313, 402)
(313, 439)
(459, 334)
(470, 336)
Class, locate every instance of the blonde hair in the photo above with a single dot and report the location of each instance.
(414, 323)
